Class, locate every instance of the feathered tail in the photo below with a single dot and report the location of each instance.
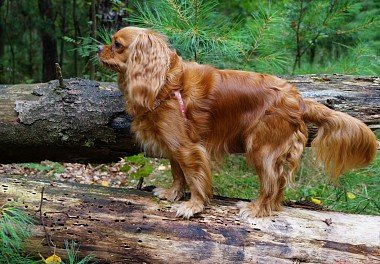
(342, 141)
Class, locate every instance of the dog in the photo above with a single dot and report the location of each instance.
(194, 114)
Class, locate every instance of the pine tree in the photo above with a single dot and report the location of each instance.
(194, 28)
(328, 33)
(200, 33)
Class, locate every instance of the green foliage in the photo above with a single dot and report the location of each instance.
(326, 31)
(141, 166)
(235, 179)
(87, 46)
(72, 250)
(364, 184)
(267, 51)
(357, 192)
(14, 231)
(46, 166)
(361, 59)
(278, 37)
(195, 29)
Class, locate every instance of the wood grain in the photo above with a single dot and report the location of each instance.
(130, 226)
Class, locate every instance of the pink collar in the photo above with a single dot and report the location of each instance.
(178, 96)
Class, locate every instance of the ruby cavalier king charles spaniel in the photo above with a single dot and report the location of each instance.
(194, 114)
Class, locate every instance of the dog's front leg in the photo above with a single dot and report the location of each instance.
(195, 164)
(176, 192)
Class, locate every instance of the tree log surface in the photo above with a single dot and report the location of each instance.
(86, 121)
(130, 226)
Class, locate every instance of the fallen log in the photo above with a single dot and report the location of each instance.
(130, 226)
(85, 121)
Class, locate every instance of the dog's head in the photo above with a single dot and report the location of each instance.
(142, 57)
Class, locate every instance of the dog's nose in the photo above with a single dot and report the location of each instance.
(100, 48)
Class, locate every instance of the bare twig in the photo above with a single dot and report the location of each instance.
(140, 183)
(58, 72)
(47, 235)
(60, 212)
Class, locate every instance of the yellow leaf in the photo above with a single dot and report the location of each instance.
(350, 195)
(53, 259)
(316, 201)
(105, 183)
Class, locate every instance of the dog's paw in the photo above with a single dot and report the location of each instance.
(252, 210)
(172, 194)
(189, 209)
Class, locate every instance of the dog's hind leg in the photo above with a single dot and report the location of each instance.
(275, 165)
(290, 162)
(175, 192)
(264, 162)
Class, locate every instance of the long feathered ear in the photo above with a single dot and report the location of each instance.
(148, 64)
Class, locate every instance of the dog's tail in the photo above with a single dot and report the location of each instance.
(342, 141)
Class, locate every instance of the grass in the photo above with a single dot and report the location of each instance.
(357, 191)
(15, 230)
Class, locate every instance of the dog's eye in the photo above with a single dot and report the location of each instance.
(117, 45)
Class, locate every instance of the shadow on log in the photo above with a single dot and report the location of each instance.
(129, 226)
(85, 121)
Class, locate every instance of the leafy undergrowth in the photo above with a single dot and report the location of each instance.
(14, 230)
(357, 191)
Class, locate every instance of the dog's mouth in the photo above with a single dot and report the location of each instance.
(110, 64)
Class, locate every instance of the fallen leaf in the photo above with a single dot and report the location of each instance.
(53, 259)
(350, 195)
(105, 183)
(316, 201)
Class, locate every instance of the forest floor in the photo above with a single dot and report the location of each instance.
(357, 192)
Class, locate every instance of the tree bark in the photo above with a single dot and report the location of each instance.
(86, 121)
(130, 226)
(82, 123)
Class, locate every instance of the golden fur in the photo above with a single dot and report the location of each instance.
(226, 111)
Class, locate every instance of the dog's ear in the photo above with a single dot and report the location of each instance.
(148, 64)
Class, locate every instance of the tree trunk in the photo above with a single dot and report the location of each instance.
(63, 32)
(30, 54)
(130, 226)
(76, 35)
(2, 33)
(48, 39)
(86, 121)
(93, 35)
(112, 14)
